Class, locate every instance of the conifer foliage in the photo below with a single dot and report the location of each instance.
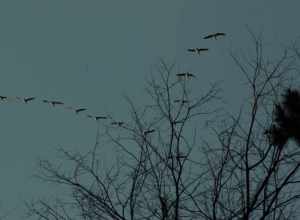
(286, 119)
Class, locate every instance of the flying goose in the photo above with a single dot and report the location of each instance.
(3, 97)
(201, 50)
(80, 110)
(215, 35)
(197, 50)
(26, 100)
(186, 75)
(53, 102)
(119, 123)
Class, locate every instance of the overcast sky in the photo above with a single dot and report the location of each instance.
(88, 53)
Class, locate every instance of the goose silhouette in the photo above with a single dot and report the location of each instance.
(215, 35)
(26, 100)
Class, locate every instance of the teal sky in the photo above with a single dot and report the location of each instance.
(47, 45)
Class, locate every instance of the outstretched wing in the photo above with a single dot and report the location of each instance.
(209, 36)
(180, 76)
(100, 117)
(29, 99)
(202, 49)
(190, 75)
(220, 34)
(119, 123)
(56, 103)
(80, 110)
(191, 50)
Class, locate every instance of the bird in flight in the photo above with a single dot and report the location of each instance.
(100, 117)
(201, 50)
(119, 123)
(53, 102)
(215, 35)
(80, 110)
(197, 50)
(26, 100)
(192, 50)
(56, 103)
(186, 75)
(190, 75)
(97, 117)
(3, 97)
(180, 76)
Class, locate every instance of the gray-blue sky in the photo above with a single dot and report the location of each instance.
(46, 45)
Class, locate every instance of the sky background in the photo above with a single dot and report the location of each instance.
(89, 53)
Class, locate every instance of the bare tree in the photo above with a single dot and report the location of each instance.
(161, 171)
(254, 170)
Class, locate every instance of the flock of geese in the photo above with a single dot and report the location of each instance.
(197, 50)
(210, 36)
(54, 103)
(77, 111)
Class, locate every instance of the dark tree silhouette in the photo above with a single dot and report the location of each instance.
(181, 101)
(153, 178)
(175, 174)
(286, 119)
(149, 131)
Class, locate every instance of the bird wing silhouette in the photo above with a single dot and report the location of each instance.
(191, 50)
(209, 36)
(220, 34)
(80, 110)
(29, 99)
(191, 75)
(100, 117)
(57, 102)
(202, 49)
